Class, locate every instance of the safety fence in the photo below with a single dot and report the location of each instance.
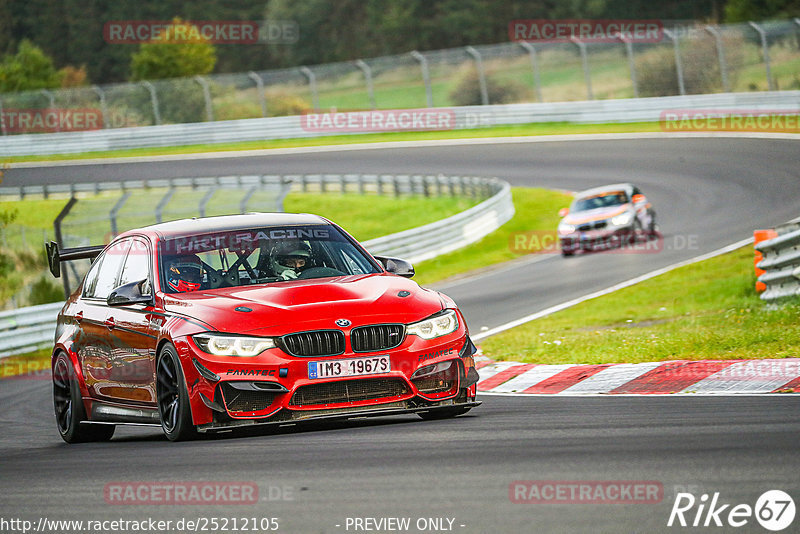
(458, 118)
(25, 329)
(780, 263)
(686, 58)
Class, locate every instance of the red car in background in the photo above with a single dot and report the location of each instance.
(216, 323)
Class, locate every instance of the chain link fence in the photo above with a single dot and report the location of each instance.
(686, 60)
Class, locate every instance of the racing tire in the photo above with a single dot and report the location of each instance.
(69, 409)
(173, 398)
(637, 233)
(443, 413)
(566, 253)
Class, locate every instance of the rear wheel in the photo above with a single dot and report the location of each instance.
(173, 399)
(69, 408)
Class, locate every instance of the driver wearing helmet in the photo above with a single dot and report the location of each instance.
(184, 273)
(290, 258)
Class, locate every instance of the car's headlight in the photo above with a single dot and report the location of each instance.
(222, 345)
(622, 219)
(565, 228)
(436, 326)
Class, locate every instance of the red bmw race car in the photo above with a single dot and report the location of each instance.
(215, 323)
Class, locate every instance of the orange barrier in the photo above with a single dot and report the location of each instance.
(759, 236)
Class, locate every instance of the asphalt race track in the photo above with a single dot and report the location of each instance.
(708, 192)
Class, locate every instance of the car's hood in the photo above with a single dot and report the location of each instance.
(297, 305)
(597, 214)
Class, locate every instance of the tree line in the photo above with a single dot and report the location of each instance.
(52, 43)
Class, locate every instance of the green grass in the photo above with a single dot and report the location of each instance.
(364, 216)
(535, 210)
(25, 364)
(708, 310)
(542, 128)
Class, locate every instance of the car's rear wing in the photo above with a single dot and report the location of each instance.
(55, 256)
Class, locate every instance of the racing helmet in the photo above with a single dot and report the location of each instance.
(294, 256)
(184, 273)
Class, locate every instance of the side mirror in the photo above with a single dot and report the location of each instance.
(396, 266)
(130, 293)
(639, 198)
(563, 212)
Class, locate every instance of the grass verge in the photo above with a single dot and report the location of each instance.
(35, 364)
(541, 128)
(708, 310)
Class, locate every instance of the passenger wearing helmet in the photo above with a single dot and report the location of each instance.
(184, 273)
(290, 258)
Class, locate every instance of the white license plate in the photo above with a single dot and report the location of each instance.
(352, 367)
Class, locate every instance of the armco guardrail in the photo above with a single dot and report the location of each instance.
(26, 329)
(781, 263)
(590, 111)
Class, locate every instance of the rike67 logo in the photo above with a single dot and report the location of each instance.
(774, 510)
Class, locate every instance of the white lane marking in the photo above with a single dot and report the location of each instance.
(752, 376)
(530, 377)
(401, 144)
(494, 368)
(611, 378)
(606, 291)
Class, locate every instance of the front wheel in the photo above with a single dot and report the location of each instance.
(173, 399)
(69, 408)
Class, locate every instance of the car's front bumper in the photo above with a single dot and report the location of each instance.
(277, 388)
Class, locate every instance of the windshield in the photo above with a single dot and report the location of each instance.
(603, 200)
(259, 256)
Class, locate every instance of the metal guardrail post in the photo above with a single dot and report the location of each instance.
(163, 204)
(481, 74)
(52, 105)
(631, 63)
(262, 98)
(585, 62)
(361, 64)
(426, 76)
(60, 238)
(286, 187)
(678, 63)
(246, 198)
(312, 83)
(201, 207)
(723, 65)
(153, 100)
(115, 211)
(101, 95)
(537, 82)
(206, 96)
(765, 52)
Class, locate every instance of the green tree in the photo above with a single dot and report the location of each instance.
(166, 59)
(755, 10)
(28, 69)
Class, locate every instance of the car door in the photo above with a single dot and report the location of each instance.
(133, 329)
(93, 342)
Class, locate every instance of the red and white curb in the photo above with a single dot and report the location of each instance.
(706, 377)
